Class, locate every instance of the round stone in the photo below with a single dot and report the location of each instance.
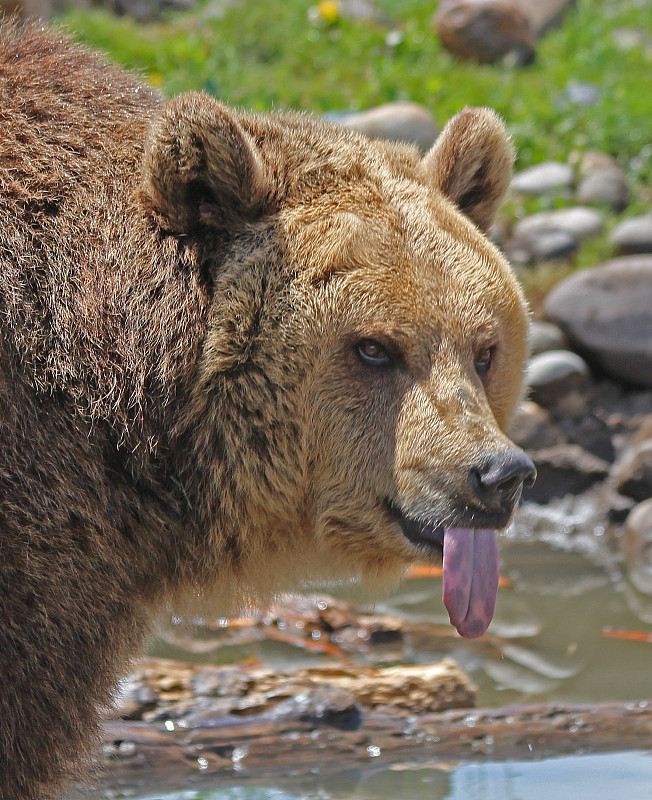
(633, 473)
(637, 546)
(559, 380)
(544, 336)
(633, 235)
(606, 187)
(542, 178)
(397, 122)
(579, 221)
(606, 312)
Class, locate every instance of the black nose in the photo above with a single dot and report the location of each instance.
(497, 478)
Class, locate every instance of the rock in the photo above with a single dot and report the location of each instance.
(541, 245)
(643, 430)
(546, 336)
(636, 545)
(581, 221)
(629, 38)
(633, 235)
(485, 31)
(564, 469)
(633, 473)
(596, 160)
(606, 312)
(591, 433)
(533, 428)
(559, 381)
(618, 507)
(626, 409)
(543, 17)
(401, 122)
(553, 235)
(604, 187)
(545, 177)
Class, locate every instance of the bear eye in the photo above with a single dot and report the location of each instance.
(373, 354)
(483, 360)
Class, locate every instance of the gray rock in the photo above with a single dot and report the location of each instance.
(559, 381)
(545, 177)
(552, 246)
(606, 312)
(633, 473)
(533, 428)
(564, 469)
(604, 187)
(580, 221)
(398, 122)
(595, 160)
(633, 235)
(591, 433)
(546, 336)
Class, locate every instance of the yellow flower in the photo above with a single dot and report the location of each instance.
(329, 10)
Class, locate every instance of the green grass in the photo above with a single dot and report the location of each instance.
(269, 54)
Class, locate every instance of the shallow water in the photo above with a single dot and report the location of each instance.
(567, 589)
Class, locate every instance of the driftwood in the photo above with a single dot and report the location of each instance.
(321, 624)
(212, 726)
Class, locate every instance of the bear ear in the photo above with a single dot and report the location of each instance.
(471, 163)
(201, 167)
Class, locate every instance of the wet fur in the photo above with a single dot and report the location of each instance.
(182, 416)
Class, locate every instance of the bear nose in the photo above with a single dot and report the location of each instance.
(497, 479)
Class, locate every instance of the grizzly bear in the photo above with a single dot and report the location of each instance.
(236, 352)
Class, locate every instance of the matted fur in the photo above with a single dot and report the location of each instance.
(183, 416)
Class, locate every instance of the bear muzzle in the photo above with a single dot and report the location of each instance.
(497, 481)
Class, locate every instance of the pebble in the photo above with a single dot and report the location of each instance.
(559, 381)
(544, 177)
(636, 544)
(633, 473)
(400, 122)
(551, 245)
(533, 428)
(564, 469)
(606, 187)
(580, 221)
(595, 160)
(633, 235)
(544, 336)
(607, 312)
(591, 433)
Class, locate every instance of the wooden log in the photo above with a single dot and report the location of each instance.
(250, 726)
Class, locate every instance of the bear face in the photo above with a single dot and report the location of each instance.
(387, 332)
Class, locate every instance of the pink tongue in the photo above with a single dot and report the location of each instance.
(470, 579)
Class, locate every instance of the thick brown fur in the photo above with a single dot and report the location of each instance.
(184, 415)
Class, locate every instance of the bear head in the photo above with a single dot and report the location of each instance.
(365, 348)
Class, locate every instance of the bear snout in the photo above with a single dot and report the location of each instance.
(498, 478)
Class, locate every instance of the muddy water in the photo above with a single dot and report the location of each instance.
(568, 590)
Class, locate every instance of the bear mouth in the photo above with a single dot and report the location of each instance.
(421, 533)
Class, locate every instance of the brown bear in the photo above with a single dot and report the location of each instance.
(236, 351)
